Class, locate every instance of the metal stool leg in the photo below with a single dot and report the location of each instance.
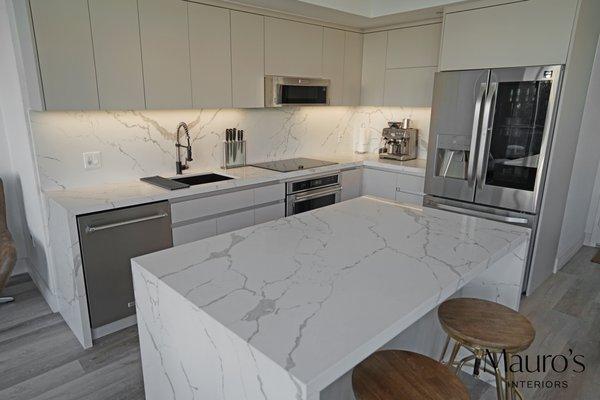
(6, 300)
(509, 376)
(455, 350)
(445, 349)
(497, 374)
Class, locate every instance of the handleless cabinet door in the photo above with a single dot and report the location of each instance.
(421, 42)
(409, 87)
(293, 48)
(64, 46)
(210, 55)
(533, 32)
(118, 54)
(352, 68)
(351, 183)
(333, 63)
(165, 53)
(373, 68)
(247, 60)
(379, 183)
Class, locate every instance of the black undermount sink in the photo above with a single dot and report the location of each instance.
(200, 179)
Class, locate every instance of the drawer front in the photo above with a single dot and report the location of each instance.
(409, 198)
(410, 183)
(267, 194)
(232, 222)
(206, 206)
(196, 231)
(269, 213)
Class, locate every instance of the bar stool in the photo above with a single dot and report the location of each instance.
(489, 331)
(403, 375)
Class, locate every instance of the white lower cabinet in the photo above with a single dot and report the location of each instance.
(232, 222)
(401, 187)
(351, 183)
(269, 213)
(203, 217)
(194, 231)
(379, 183)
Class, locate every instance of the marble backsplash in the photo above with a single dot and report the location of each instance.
(134, 144)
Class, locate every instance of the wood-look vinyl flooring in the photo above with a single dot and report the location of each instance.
(40, 359)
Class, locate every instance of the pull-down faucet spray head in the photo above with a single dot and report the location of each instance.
(179, 167)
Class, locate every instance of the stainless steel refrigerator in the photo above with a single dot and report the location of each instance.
(491, 132)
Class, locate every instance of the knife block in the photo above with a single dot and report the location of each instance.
(234, 153)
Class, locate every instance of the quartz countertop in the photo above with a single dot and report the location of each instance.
(123, 194)
(317, 292)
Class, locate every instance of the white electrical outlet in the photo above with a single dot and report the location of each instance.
(92, 160)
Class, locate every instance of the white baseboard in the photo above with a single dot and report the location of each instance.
(563, 259)
(43, 288)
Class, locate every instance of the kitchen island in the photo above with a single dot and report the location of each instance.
(285, 309)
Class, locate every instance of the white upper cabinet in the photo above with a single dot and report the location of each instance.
(293, 48)
(373, 68)
(210, 56)
(117, 52)
(534, 32)
(410, 87)
(416, 46)
(352, 68)
(165, 53)
(64, 46)
(333, 63)
(247, 60)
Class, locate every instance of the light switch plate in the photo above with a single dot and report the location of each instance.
(92, 160)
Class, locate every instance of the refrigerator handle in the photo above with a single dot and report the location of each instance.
(475, 134)
(490, 101)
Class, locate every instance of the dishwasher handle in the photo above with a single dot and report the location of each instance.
(92, 229)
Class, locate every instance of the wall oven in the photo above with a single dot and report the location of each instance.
(289, 91)
(313, 192)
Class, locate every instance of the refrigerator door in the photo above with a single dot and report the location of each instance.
(456, 117)
(518, 119)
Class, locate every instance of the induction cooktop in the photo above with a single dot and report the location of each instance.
(293, 164)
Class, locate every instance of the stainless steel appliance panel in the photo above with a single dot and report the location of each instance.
(109, 240)
(285, 90)
(456, 117)
(312, 199)
(516, 132)
(313, 192)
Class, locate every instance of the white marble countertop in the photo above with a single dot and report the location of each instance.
(104, 197)
(319, 291)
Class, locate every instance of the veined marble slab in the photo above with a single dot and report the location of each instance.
(283, 309)
(99, 198)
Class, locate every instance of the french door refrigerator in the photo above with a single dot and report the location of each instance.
(491, 132)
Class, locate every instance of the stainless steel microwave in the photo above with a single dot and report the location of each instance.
(290, 91)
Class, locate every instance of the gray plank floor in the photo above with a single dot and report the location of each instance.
(40, 359)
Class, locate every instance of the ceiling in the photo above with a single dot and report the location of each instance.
(364, 14)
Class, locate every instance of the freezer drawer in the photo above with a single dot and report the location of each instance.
(109, 240)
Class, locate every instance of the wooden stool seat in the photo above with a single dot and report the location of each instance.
(403, 375)
(485, 324)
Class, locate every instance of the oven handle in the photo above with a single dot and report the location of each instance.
(316, 193)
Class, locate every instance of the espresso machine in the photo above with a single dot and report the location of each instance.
(399, 141)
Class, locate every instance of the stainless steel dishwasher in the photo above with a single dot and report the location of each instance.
(109, 240)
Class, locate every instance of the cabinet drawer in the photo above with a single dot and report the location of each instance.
(232, 222)
(269, 213)
(409, 198)
(196, 231)
(410, 183)
(267, 194)
(206, 206)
